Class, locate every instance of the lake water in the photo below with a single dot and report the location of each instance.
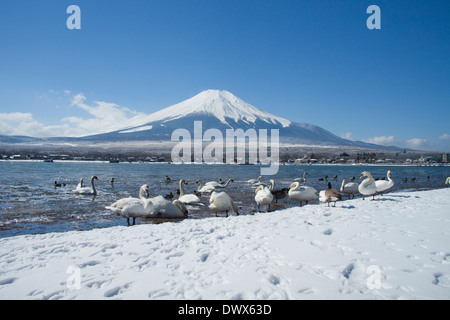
(29, 202)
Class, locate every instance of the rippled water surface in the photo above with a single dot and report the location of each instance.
(29, 202)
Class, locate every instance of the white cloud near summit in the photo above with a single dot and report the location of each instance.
(100, 117)
(104, 116)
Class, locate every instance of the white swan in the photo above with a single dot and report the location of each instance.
(368, 186)
(219, 184)
(302, 193)
(350, 188)
(263, 196)
(204, 188)
(254, 181)
(383, 185)
(143, 208)
(117, 206)
(214, 183)
(222, 202)
(447, 181)
(166, 209)
(88, 190)
(80, 185)
(302, 180)
(330, 195)
(187, 198)
(133, 207)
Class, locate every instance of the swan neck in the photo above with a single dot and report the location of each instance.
(142, 194)
(181, 188)
(389, 176)
(368, 180)
(93, 185)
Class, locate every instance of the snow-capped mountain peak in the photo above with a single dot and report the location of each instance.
(221, 110)
(221, 104)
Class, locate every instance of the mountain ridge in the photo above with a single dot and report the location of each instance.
(216, 109)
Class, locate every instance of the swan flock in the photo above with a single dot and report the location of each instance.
(265, 195)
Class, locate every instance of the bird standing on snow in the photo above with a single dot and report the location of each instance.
(222, 202)
(383, 185)
(330, 195)
(350, 188)
(263, 196)
(302, 193)
(368, 186)
(277, 194)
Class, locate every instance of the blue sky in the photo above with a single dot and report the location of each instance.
(311, 61)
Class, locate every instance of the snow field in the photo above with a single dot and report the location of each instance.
(396, 247)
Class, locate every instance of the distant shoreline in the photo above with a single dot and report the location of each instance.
(192, 163)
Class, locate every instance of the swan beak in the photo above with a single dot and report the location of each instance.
(361, 177)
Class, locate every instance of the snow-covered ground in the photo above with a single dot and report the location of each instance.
(396, 247)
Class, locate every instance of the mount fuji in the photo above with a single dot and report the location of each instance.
(216, 109)
(220, 109)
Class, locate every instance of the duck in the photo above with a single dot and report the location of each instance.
(222, 202)
(263, 196)
(330, 195)
(302, 193)
(383, 185)
(88, 190)
(367, 187)
(169, 195)
(350, 188)
(277, 194)
(187, 198)
(56, 184)
(167, 179)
